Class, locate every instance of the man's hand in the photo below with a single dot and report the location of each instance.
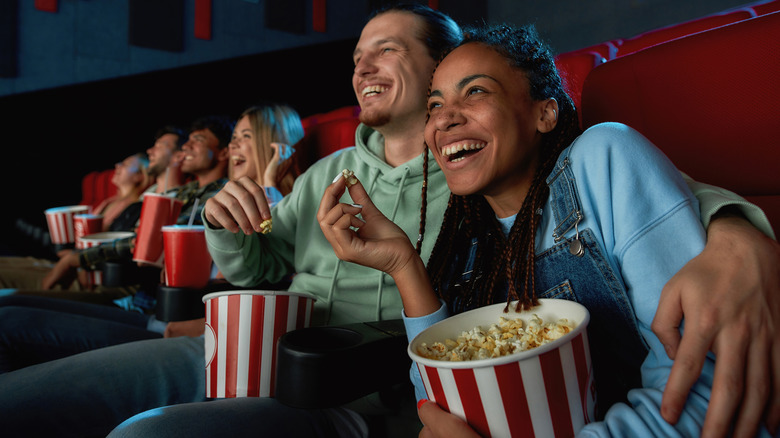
(240, 206)
(730, 298)
(192, 328)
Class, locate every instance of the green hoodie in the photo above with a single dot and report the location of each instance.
(345, 292)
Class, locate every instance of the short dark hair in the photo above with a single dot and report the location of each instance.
(180, 134)
(440, 32)
(220, 126)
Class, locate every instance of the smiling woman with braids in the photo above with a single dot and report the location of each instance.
(540, 209)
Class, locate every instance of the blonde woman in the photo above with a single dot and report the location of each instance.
(262, 148)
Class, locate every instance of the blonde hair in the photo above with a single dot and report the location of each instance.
(273, 123)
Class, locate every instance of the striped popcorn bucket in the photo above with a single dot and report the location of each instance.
(86, 224)
(242, 329)
(547, 391)
(95, 276)
(60, 221)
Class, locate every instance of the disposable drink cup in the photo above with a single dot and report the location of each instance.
(95, 277)
(187, 259)
(157, 211)
(545, 391)
(242, 330)
(86, 224)
(60, 221)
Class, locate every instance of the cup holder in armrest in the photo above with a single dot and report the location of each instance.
(321, 367)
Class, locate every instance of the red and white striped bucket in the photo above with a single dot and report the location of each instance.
(242, 329)
(86, 224)
(547, 391)
(60, 221)
(95, 277)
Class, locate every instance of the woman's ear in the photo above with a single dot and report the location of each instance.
(549, 118)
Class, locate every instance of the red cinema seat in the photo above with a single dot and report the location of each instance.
(708, 101)
(668, 33)
(574, 68)
(766, 7)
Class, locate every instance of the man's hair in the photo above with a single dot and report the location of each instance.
(220, 126)
(180, 134)
(440, 32)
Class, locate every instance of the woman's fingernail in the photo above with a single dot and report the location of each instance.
(420, 403)
(336, 178)
(356, 205)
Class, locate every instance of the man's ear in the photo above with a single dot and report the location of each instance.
(223, 154)
(549, 115)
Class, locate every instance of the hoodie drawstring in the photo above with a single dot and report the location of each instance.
(381, 286)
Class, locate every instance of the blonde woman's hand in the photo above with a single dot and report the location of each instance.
(282, 152)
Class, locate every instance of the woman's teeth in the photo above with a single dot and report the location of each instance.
(460, 150)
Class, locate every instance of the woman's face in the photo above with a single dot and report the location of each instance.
(128, 172)
(242, 150)
(483, 126)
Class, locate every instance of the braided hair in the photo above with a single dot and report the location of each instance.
(503, 262)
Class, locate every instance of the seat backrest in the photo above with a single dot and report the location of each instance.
(708, 101)
(327, 133)
(766, 7)
(574, 68)
(96, 186)
(668, 33)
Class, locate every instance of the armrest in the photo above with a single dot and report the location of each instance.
(321, 367)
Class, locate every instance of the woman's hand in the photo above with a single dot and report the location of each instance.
(240, 206)
(730, 298)
(282, 152)
(63, 272)
(372, 241)
(438, 423)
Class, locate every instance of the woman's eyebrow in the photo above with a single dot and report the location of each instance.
(465, 81)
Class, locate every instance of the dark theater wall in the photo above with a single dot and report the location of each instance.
(84, 84)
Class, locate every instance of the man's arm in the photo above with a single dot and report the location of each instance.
(730, 298)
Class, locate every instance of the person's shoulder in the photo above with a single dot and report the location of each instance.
(612, 140)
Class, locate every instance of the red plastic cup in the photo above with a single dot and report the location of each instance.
(95, 277)
(86, 224)
(546, 391)
(156, 211)
(187, 259)
(242, 330)
(60, 221)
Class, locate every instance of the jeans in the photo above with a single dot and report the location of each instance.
(90, 393)
(241, 417)
(40, 329)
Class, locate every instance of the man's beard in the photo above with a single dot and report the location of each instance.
(156, 170)
(374, 118)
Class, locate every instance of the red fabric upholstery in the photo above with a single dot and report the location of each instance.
(324, 138)
(708, 101)
(766, 7)
(668, 33)
(574, 68)
(96, 186)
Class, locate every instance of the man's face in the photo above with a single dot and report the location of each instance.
(392, 70)
(161, 152)
(200, 152)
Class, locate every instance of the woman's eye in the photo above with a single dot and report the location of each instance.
(474, 90)
(433, 105)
